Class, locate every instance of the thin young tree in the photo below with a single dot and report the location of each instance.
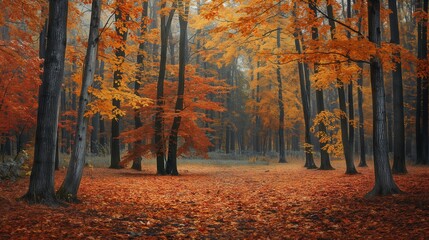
(122, 31)
(305, 98)
(137, 161)
(398, 98)
(183, 8)
(325, 163)
(281, 130)
(70, 186)
(362, 159)
(384, 183)
(346, 132)
(159, 119)
(41, 187)
(422, 88)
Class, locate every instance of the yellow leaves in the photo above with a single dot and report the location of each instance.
(332, 138)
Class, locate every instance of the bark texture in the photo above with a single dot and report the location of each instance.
(70, 186)
(384, 183)
(41, 187)
(398, 98)
(173, 138)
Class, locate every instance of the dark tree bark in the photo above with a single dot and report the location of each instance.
(64, 133)
(345, 130)
(72, 118)
(362, 162)
(173, 138)
(41, 187)
(425, 89)
(21, 138)
(350, 100)
(102, 135)
(422, 130)
(398, 99)
(325, 163)
(281, 131)
(384, 183)
(115, 145)
(159, 119)
(57, 153)
(137, 162)
(95, 122)
(70, 186)
(305, 98)
(257, 138)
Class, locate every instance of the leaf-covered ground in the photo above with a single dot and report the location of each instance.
(224, 202)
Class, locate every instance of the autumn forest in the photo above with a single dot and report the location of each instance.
(214, 119)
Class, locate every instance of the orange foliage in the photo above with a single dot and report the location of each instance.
(20, 70)
(201, 96)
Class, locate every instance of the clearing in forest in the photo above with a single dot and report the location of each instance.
(276, 201)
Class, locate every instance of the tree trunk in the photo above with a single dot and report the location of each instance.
(305, 98)
(57, 153)
(350, 98)
(351, 126)
(281, 131)
(41, 187)
(159, 121)
(348, 149)
(345, 126)
(95, 122)
(258, 134)
(422, 90)
(398, 99)
(137, 162)
(62, 118)
(102, 135)
(325, 163)
(70, 186)
(384, 183)
(362, 162)
(172, 141)
(115, 147)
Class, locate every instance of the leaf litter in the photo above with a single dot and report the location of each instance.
(222, 202)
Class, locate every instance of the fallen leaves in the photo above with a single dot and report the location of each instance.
(218, 202)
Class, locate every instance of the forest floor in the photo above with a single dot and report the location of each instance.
(224, 201)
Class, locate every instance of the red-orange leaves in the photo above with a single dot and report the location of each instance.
(202, 95)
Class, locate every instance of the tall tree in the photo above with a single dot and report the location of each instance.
(422, 86)
(325, 163)
(305, 98)
(159, 122)
(281, 130)
(41, 188)
(70, 186)
(121, 31)
(137, 162)
(346, 132)
(384, 183)
(362, 159)
(183, 6)
(398, 99)
(350, 102)
(102, 136)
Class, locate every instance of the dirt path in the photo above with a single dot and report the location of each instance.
(224, 202)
